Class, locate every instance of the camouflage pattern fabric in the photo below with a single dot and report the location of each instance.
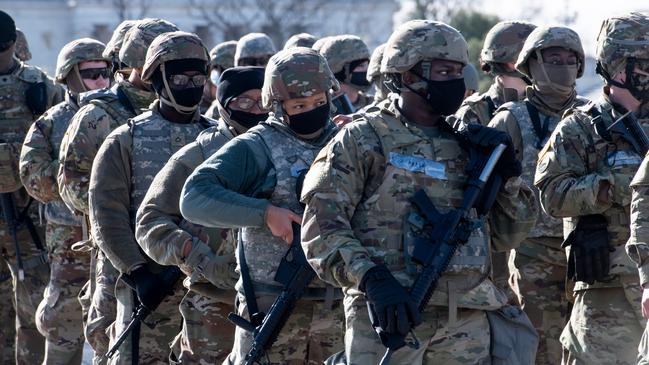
(571, 168)
(643, 348)
(478, 109)
(103, 305)
(115, 43)
(375, 76)
(172, 46)
(222, 55)
(7, 312)
(613, 45)
(254, 45)
(22, 47)
(320, 330)
(340, 50)
(300, 40)
(296, 73)
(207, 335)
(504, 41)
(347, 229)
(317, 45)
(546, 37)
(124, 168)
(59, 316)
(139, 37)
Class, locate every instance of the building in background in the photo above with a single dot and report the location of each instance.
(49, 24)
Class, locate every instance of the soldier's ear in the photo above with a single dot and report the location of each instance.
(408, 78)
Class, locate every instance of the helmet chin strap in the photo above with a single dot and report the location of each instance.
(172, 101)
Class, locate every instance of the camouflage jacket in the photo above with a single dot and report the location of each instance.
(572, 168)
(123, 170)
(358, 214)
(160, 229)
(39, 160)
(638, 245)
(16, 117)
(516, 119)
(480, 108)
(102, 113)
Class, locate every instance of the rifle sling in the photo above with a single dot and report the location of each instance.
(246, 279)
(540, 129)
(29, 224)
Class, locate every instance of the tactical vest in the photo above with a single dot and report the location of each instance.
(213, 138)
(289, 157)
(56, 211)
(155, 139)
(482, 105)
(15, 120)
(108, 100)
(546, 226)
(386, 223)
(603, 156)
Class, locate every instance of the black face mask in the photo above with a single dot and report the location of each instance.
(246, 119)
(188, 97)
(359, 79)
(309, 122)
(445, 97)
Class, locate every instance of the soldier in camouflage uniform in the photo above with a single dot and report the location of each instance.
(176, 66)
(104, 110)
(263, 202)
(376, 78)
(584, 173)
(207, 335)
(25, 93)
(254, 49)
(360, 184)
(317, 45)
(348, 58)
(501, 47)
(221, 59)
(22, 47)
(553, 59)
(300, 40)
(115, 44)
(81, 67)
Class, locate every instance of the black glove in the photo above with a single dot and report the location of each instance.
(36, 98)
(589, 249)
(150, 289)
(391, 307)
(489, 138)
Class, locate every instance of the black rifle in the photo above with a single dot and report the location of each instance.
(168, 279)
(14, 222)
(630, 129)
(295, 274)
(343, 105)
(435, 253)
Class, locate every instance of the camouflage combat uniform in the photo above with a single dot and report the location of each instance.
(358, 215)
(274, 156)
(207, 335)
(59, 316)
(121, 174)
(15, 119)
(538, 266)
(221, 59)
(101, 112)
(575, 166)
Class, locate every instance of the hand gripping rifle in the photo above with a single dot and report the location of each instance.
(630, 129)
(435, 253)
(295, 274)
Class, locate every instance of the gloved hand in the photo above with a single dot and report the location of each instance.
(621, 188)
(393, 309)
(589, 249)
(489, 138)
(218, 270)
(149, 288)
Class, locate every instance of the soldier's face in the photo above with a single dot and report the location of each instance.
(7, 51)
(302, 105)
(95, 74)
(559, 56)
(443, 70)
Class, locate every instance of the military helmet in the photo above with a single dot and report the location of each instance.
(504, 42)
(343, 49)
(75, 52)
(418, 40)
(138, 39)
(546, 37)
(374, 67)
(471, 79)
(172, 46)
(300, 40)
(296, 72)
(22, 47)
(115, 43)
(254, 45)
(222, 54)
(317, 45)
(619, 39)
